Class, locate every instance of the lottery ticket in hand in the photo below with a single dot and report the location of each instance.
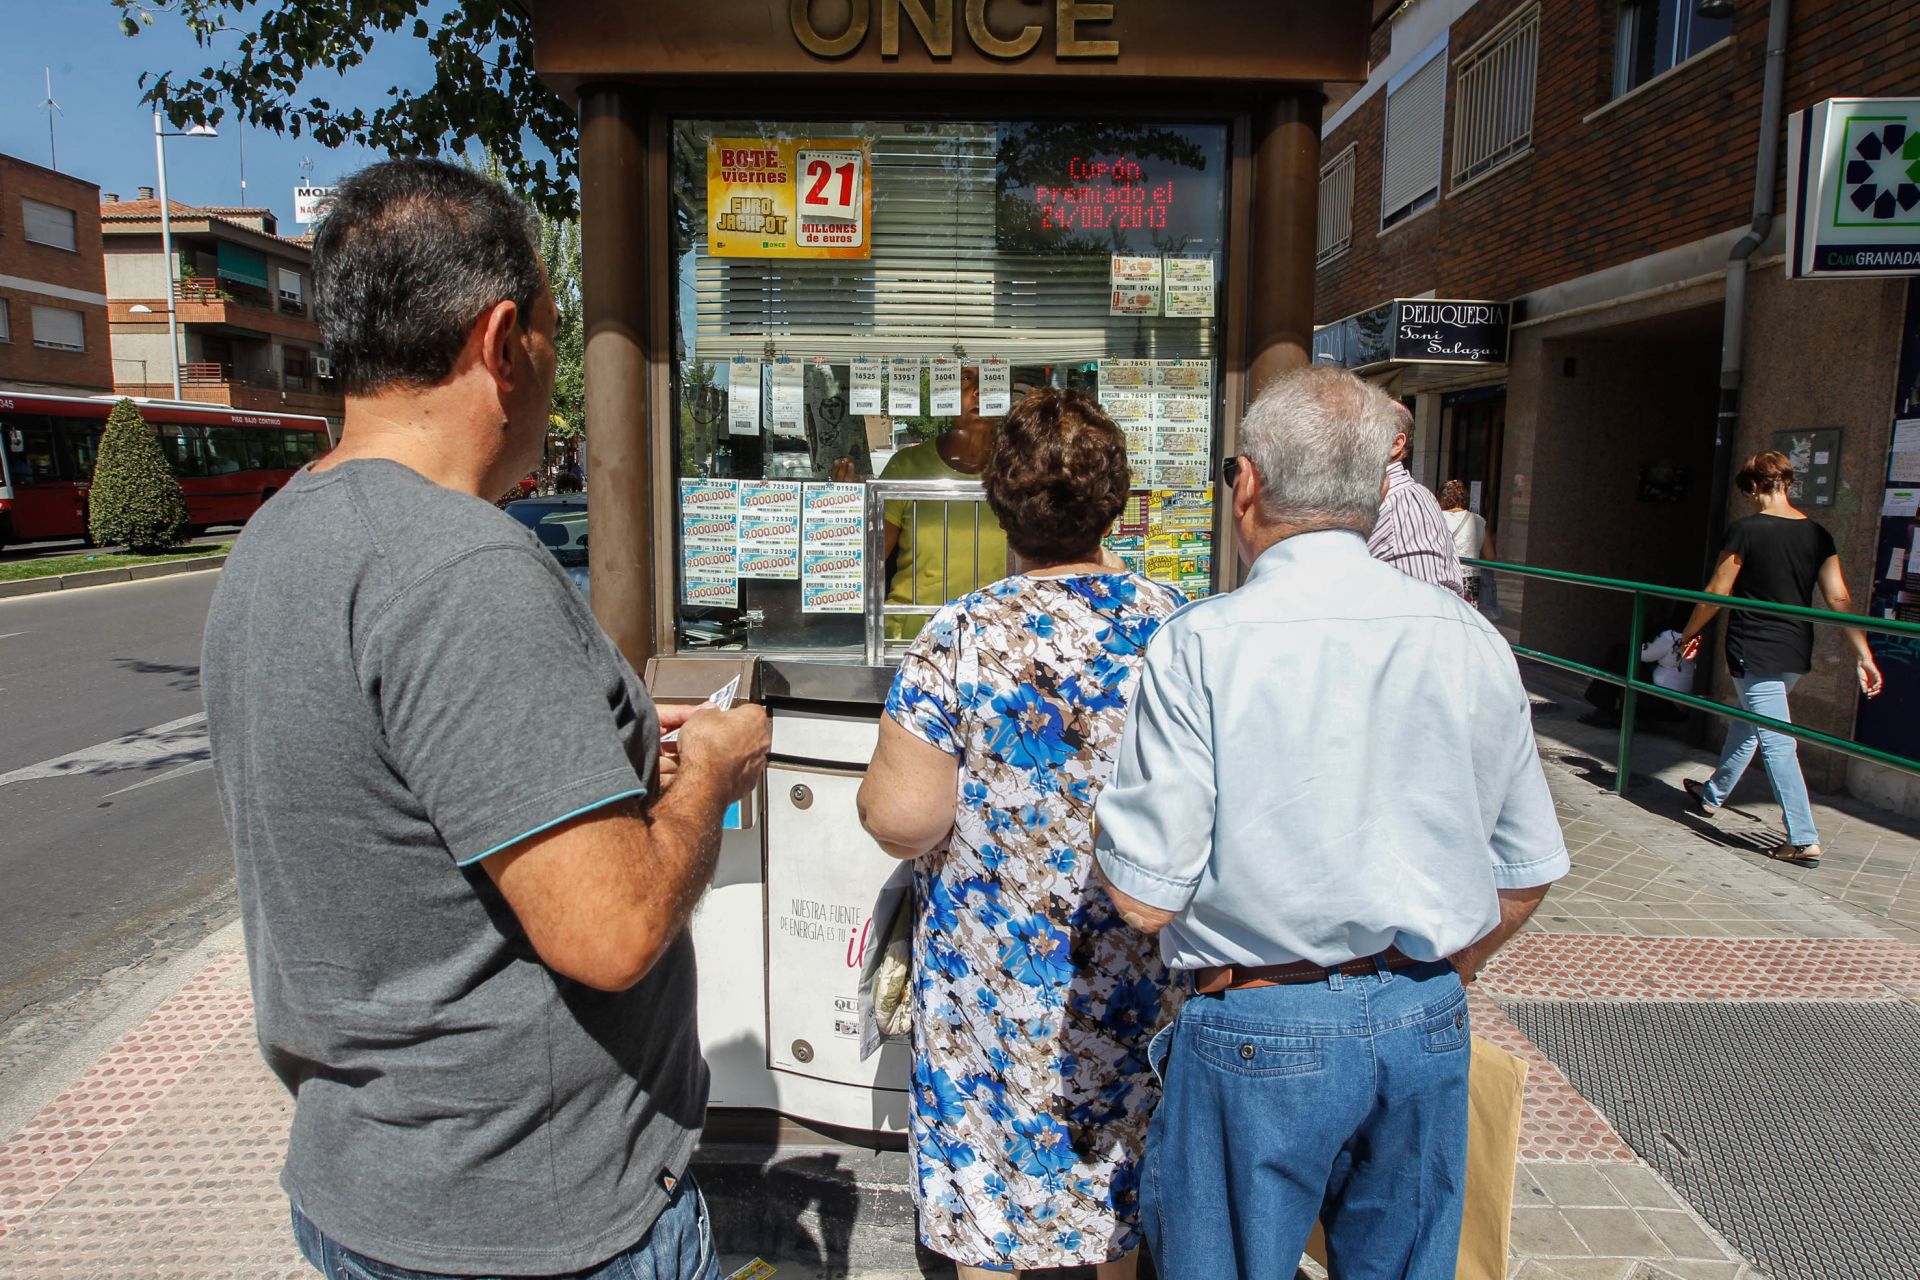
(720, 699)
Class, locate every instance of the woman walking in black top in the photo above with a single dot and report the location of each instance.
(1777, 555)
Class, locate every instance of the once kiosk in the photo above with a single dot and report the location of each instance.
(823, 243)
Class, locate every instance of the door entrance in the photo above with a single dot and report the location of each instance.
(1475, 426)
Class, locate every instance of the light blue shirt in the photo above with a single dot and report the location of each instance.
(1333, 759)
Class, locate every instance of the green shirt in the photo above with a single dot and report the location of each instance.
(929, 569)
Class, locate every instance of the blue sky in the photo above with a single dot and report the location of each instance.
(106, 136)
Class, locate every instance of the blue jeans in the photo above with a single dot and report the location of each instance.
(1766, 696)
(1343, 1100)
(679, 1246)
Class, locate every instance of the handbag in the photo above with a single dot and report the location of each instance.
(1496, 1084)
(886, 967)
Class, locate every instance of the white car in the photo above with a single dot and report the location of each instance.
(560, 522)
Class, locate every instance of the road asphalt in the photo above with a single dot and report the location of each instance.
(114, 856)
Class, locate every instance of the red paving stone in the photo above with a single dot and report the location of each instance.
(117, 1092)
(1543, 966)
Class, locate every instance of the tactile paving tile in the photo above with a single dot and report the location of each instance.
(98, 1109)
(1792, 1126)
(1556, 1123)
(191, 1191)
(1540, 966)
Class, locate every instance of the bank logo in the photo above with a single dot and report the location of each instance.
(1881, 185)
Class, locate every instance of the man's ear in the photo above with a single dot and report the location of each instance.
(499, 335)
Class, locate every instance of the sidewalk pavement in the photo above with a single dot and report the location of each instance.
(160, 1159)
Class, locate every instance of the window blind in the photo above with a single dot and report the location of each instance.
(49, 225)
(6, 327)
(1416, 113)
(1335, 229)
(59, 328)
(936, 280)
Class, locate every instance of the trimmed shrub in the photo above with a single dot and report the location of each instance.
(135, 502)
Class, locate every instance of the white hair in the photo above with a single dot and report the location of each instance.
(1320, 438)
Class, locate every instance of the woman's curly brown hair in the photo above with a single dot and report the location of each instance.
(1057, 477)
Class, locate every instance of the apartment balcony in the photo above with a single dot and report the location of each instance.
(252, 389)
(223, 304)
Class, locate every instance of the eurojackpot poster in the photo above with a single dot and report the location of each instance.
(788, 198)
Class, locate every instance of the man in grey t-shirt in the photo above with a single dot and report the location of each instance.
(465, 870)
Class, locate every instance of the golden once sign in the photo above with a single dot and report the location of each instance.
(932, 21)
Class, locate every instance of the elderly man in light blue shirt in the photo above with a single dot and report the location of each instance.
(1329, 805)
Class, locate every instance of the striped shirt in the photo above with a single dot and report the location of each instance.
(1412, 534)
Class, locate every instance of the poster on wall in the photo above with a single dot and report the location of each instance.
(788, 198)
(1891, 721)
(1815, 455)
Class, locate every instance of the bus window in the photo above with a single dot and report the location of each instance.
(223, 452)
(273, 450)
(83, 446)
(35, 462)
(182, 447)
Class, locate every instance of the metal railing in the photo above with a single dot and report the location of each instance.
(1632, 686)
(940, 495)
(1493, 96)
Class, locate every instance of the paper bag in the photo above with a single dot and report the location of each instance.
(1495, 1083)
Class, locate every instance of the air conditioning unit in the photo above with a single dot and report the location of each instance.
(322, 367)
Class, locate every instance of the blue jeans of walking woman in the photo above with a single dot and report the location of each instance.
(1343, 1101)
(1766, 695)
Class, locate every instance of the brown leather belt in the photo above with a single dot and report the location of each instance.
(1226, 977)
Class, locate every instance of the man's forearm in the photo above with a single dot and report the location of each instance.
(1516, 905)
(684, 830)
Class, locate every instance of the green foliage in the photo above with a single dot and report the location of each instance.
(484, 87)
(135, 502)
(560, 249)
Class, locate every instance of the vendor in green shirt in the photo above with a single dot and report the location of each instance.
(930, 570)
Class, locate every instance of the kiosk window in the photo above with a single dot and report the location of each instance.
(849, 295)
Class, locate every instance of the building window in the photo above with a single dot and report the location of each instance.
(1336, 207)
(1658, 35)
(50, 225)
(293, 368)
(1493, 96)
(1416, 116)
(58, 329)
(6, 323)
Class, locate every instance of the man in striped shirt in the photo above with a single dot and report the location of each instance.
(1411, 534)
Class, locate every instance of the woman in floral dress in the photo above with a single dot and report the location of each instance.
(1032, 1001)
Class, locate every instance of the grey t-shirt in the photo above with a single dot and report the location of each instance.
(401, 681)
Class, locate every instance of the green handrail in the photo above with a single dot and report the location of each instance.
(1633, 686)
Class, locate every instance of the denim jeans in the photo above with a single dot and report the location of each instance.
(1343, 1100)
(679, 1246)
(1766, 696)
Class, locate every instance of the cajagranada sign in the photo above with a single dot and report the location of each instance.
(1077, 27)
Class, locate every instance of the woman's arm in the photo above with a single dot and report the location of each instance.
(1486, 546)
(907, 800)
(1724, 574)
(1833, 587)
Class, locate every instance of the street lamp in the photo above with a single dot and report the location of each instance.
(160, 135)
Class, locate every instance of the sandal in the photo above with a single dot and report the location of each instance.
(1698, 790)
(1796, 854)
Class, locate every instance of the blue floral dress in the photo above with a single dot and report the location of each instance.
(1032, 1000)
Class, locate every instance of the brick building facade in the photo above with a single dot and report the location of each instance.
(53, 303)
(243, 303)
(1595, 166)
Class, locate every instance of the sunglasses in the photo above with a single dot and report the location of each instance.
(1230, 469)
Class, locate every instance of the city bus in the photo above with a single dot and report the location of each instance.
(228, 462)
